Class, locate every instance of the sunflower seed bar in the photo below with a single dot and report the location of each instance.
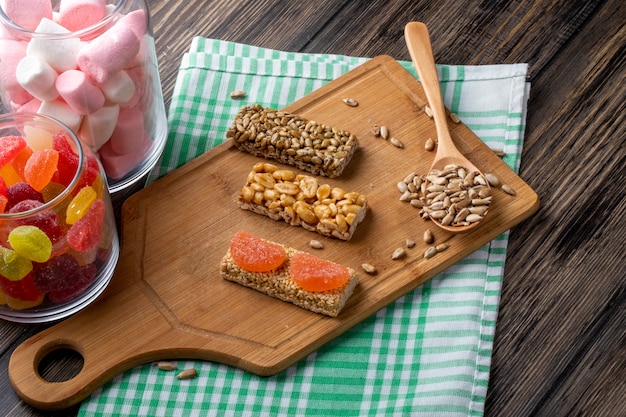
(280, 285)
(292, 140)
(300, 200)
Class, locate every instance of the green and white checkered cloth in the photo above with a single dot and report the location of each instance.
(426, 354)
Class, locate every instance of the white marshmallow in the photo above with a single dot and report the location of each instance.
(120, 88)
(62, 53)
(61, 111)
(37, 77)
(98, 127)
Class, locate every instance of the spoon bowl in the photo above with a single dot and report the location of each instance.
(447, 154)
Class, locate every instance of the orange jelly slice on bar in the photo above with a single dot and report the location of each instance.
(254, 254)
(315, 274)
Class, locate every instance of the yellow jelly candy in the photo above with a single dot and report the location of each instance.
(31, 242)
(80, 204)
(13, 266)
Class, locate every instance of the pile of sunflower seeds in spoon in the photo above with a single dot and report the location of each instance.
(453, 196)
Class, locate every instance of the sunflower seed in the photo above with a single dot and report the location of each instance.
(428, 236)
(492, 179)
(316, 244)
(384, 132)
(455, 118)
(237, 94)
(187, 374)
(430, 252)
(369, 268)
(429, 145)
(166, 366)
(398, 254)
(498, 152)
(428, 111)
(410, 243)
(395, 142)
(508, 189)
(351, 102)
(442, 246)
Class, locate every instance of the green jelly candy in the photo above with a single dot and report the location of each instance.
(31, 242)
(12, 265)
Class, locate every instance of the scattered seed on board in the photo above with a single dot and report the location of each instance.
(428, 111)
(398, 253)
(384, 132)
(167, 366)
(455, 118)
(429, 145)
(376, 130)
(237, 94)
(410, 243)
(395, 142)
(428, 236)
(430, 252)
(508, 189)
(369, 268)
(316, 244)
(442, 246)
(492, 179)
(351, 102)
(187, 374)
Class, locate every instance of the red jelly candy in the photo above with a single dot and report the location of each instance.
(3, 187)
(255, 254)
(87, 275)
(47, 220)
(68, 159)
(10, 147)
(58, 273)
(21, 191)
(24, 289)
(86, 233)
(317, 274)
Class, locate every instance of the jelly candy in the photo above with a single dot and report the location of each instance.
(86, 233)
(21, 191)
(3, 187)
(12, 265)
(85, 278)
(255, 254)
(23, 289)
(317, 274)
(58, 273)
(10, 175)
(3, 298)
(46, 220)
(10, 146)
(68, 163)
(80, 204)
(31, 242)
(40, 168)
(17, 304)
(19, 162)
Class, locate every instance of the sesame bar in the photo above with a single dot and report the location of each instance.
(301, 200)
(292, 140)
(280, 285)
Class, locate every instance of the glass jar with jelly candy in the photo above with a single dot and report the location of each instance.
(58, 239)
(92, 65)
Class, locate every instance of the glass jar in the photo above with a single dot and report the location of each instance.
(92, 65)
(58, 240)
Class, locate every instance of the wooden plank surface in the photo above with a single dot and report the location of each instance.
(559, 347)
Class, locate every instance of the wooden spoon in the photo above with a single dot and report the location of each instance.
(418, 43)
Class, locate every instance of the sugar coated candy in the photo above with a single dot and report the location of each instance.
(86, 233)
(10, 147)
(80, 204)
(40, 168)
(46, 220)
(13, 266)
(24, 289)
(84, 279)
(21, 191)
(31, 242)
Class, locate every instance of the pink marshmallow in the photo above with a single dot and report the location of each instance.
(27, 13)
(120, 88)
(126, 137)
(116, 165)
(109, 53)
(79, 14)
(37, 77)
(61, 111)
(60, 53)
(98, 127)
(31, 106)
(11, 53)
(137, 22)
(79, 92)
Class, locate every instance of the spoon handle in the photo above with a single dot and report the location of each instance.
(420, 49)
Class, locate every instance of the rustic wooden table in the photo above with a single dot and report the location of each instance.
(560, 338)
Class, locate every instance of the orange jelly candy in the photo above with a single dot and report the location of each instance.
(40, 168)
(254, 254)
(315, 274)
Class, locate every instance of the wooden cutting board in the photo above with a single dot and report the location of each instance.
(167, 299)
